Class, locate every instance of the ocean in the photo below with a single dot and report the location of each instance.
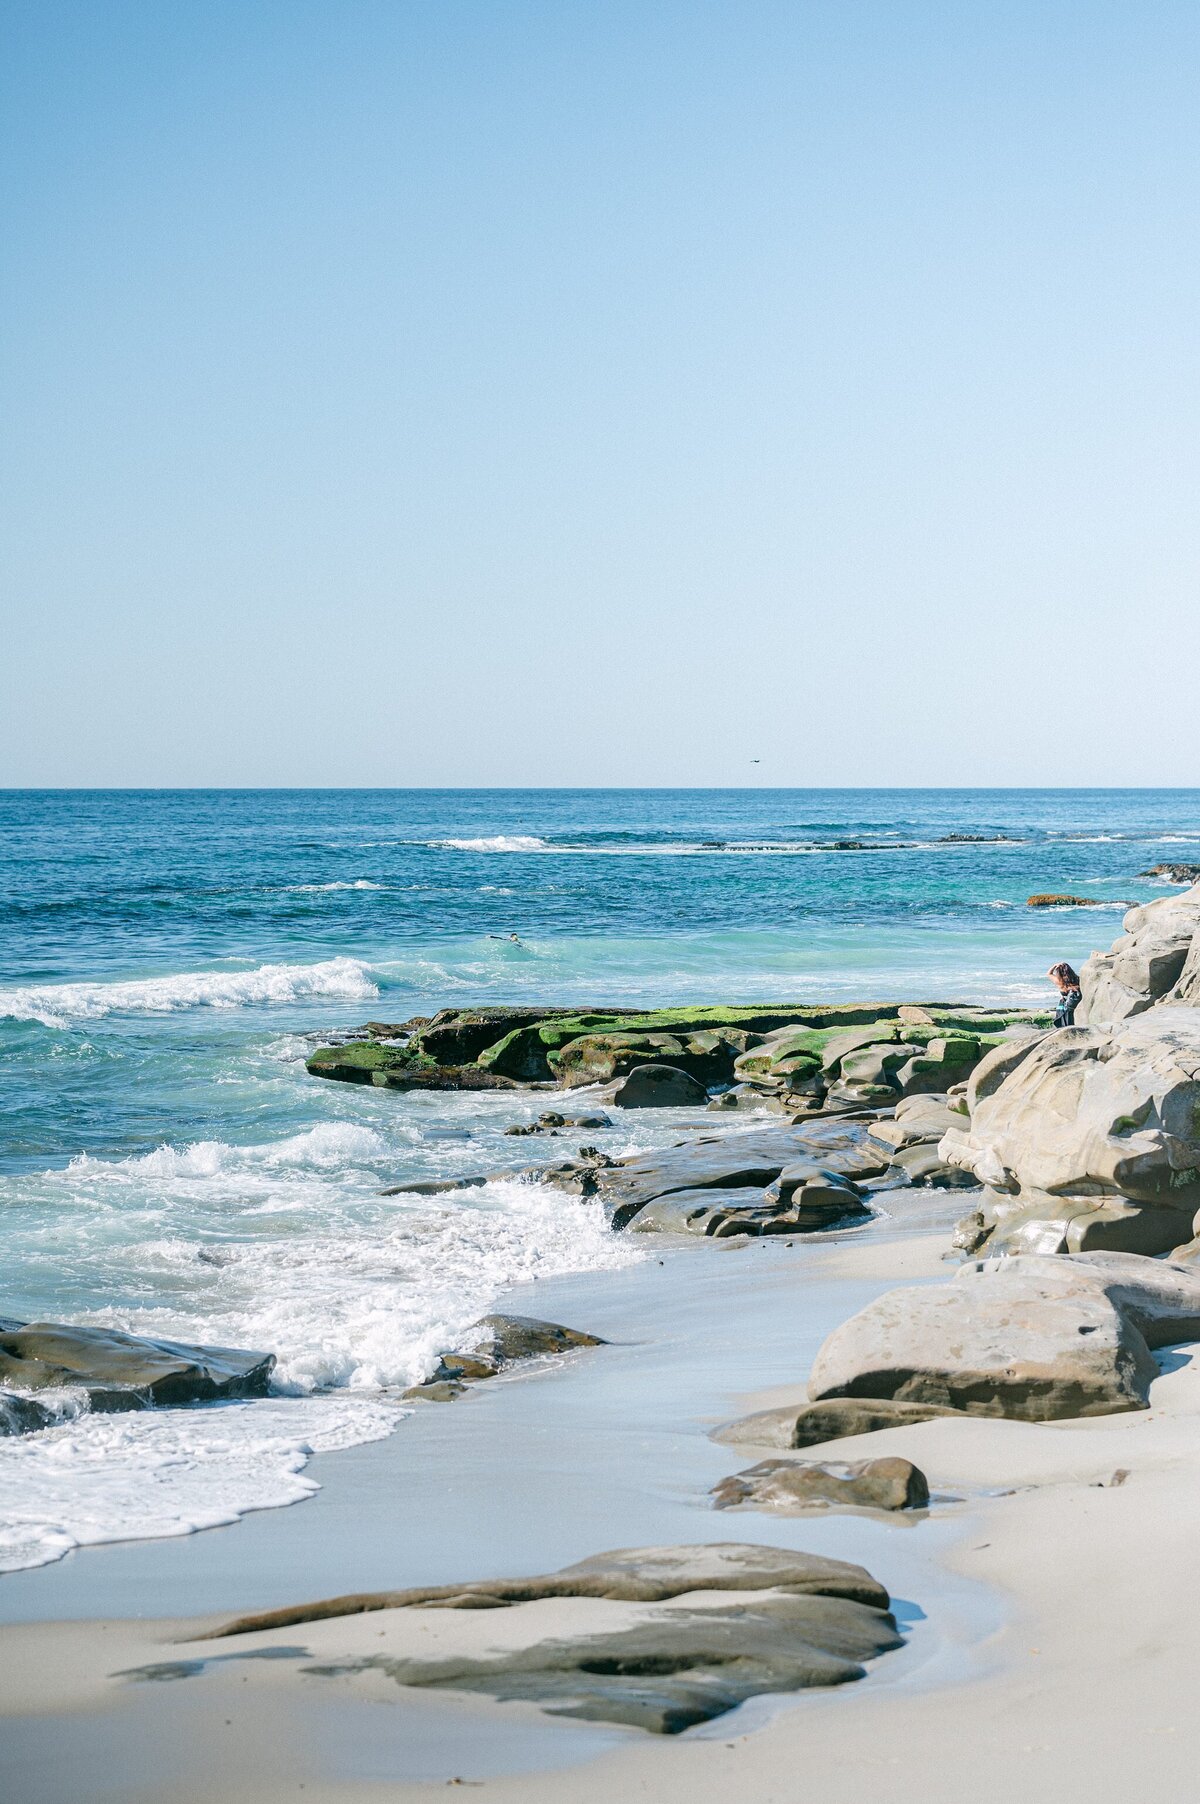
(168, 958)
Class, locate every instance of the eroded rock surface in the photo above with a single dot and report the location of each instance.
(834, 1419)
(1156, 959)
(1088, 1137)
(793, 1487)
(793, 1620)
(1039, 1339)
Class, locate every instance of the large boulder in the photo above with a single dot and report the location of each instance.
(1088, 1137)
(1147, 964)
(795, 1486)
(1039, 1339)
(123, 1371)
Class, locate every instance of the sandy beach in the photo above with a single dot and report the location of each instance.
(1043, 1597)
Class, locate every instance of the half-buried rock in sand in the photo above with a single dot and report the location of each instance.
(1037, 1339)
(646, 1636)
(793, 1487)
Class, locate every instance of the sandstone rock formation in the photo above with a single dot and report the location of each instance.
(809, 1621)
(792, 1487)
(1039, 1339)
(1088, 1137)
(1156, 959)
(835, 1419)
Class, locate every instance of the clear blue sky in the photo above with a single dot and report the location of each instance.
(599, 392)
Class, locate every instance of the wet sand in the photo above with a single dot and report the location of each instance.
(1047, 1609)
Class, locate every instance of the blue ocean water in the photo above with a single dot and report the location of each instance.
(166, 1164)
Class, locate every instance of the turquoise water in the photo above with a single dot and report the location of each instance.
(168, 1166)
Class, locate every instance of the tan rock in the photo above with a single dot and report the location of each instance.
(793, 1487)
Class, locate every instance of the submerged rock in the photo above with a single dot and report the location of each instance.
(795, 1486)
(23, 1415)
(124, 1371)
(669, 1671)
(1174, 873)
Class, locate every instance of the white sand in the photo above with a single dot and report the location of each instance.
(1081, 1688)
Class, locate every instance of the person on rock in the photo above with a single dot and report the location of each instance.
(1066, 980)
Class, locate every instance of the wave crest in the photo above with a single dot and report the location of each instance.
(58, 1005)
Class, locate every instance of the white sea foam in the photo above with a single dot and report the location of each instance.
(57, 1005)
(500, 842)
(314, 889)
(288, 1246)
(167, 1471)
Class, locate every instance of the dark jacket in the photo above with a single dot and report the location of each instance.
(1068, 1002)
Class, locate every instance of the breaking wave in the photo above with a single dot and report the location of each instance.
(58, 1005)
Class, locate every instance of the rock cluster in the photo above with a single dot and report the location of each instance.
(838, 1056)
(498, 1341)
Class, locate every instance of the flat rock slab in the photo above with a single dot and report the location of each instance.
(124, 1371)
(667, 1674)
(727, 1214)
(629, 1574)
(687, 1652)
(835, 1419)
(795, 1486)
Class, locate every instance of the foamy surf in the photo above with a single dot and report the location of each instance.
(58, 1005)
(167, 1472)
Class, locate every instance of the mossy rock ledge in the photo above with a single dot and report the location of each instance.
(810, 1050)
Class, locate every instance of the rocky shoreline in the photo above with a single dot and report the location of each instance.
(1082, 1148)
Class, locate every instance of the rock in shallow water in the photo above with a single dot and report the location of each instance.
(22, 1415)
(503, 1339)
(124, 1371)
(659, 1087)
